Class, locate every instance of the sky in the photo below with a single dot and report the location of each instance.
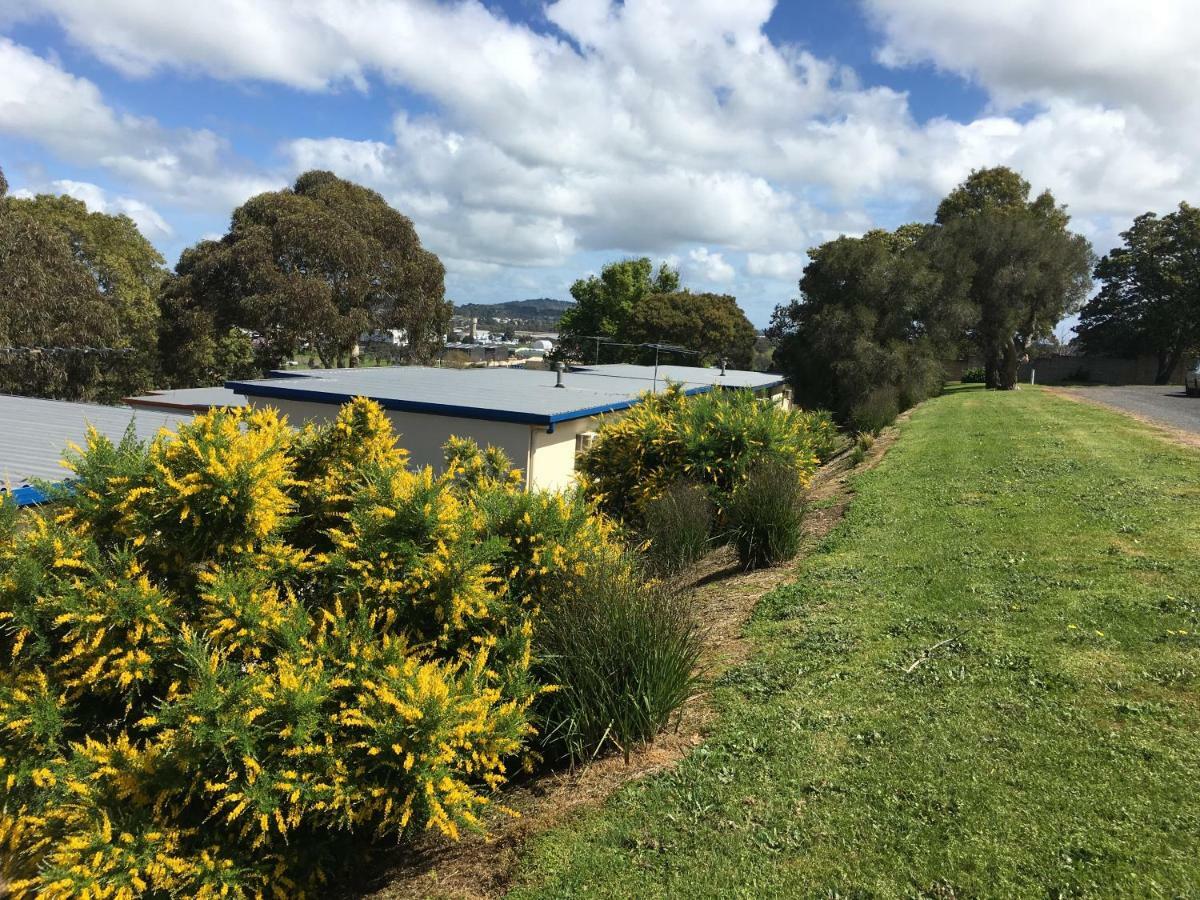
(532, 142)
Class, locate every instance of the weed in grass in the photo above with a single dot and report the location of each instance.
(863, 442)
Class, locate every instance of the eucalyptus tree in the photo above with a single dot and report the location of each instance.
(312, 266)
(604, 304)
(1013, 261)
(79, 311)
(867, 336)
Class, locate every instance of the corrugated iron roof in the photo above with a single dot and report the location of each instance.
(499, 394)
(34, 433)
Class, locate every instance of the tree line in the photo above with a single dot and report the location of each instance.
(89, 312)
(993, 274)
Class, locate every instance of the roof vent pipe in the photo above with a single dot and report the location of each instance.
(558, 367)
(723, 362)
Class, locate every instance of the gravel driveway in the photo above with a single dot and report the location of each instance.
(1163, 403)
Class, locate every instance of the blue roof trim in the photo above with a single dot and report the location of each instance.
(282, 392)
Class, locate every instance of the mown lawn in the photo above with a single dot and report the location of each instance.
(1051, 748)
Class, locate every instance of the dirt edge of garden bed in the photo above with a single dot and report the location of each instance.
(479, 867)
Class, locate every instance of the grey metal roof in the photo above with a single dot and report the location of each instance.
(34, 433)
(187, 399)
(499, 394)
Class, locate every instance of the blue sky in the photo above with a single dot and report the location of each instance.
(532, 142)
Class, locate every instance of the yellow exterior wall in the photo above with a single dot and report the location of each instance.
(554, 454)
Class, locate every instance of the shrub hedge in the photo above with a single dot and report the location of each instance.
(709, 438)
(233, 659)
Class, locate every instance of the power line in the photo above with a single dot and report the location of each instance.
(54, 351)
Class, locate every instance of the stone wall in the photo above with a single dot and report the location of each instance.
(1061, 369)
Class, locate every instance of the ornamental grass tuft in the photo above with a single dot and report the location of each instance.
(766, 515)
(622, 653)
(678, 527)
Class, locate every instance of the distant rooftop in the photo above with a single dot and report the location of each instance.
(35, 433)
(499, 394)
(187, 399)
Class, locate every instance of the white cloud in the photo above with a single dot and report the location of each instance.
(648, 126)
(68, 115)
(787, 265)
(1109, 52)
(39, 101)
(705, 265)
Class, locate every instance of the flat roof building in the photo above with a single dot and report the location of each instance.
(34, 433)
(535, 416)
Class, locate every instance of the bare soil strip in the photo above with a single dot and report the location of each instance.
(478, 866)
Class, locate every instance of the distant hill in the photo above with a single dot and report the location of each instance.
(519, 309)
(536, 313)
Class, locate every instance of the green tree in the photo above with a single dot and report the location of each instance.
(604, 303)
(85, 284)
(126, 267)
(312, 265)
(1013, 261)
(712, 324)
(1149, 299)
(868, 333)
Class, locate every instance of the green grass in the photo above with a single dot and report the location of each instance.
(1050, 749)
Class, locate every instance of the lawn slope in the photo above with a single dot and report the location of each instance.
(985, 683)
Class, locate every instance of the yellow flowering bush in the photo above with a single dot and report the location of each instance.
(711, 439)
(237, 658)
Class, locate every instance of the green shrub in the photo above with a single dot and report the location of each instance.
(622, 653)
(877, 411)
(709, 438)
(678, 527)
(766, 514)
(975, 375)
(233, 660)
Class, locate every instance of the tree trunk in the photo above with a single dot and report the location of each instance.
(1008, 372)
(1166, 365)
(991, 370)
